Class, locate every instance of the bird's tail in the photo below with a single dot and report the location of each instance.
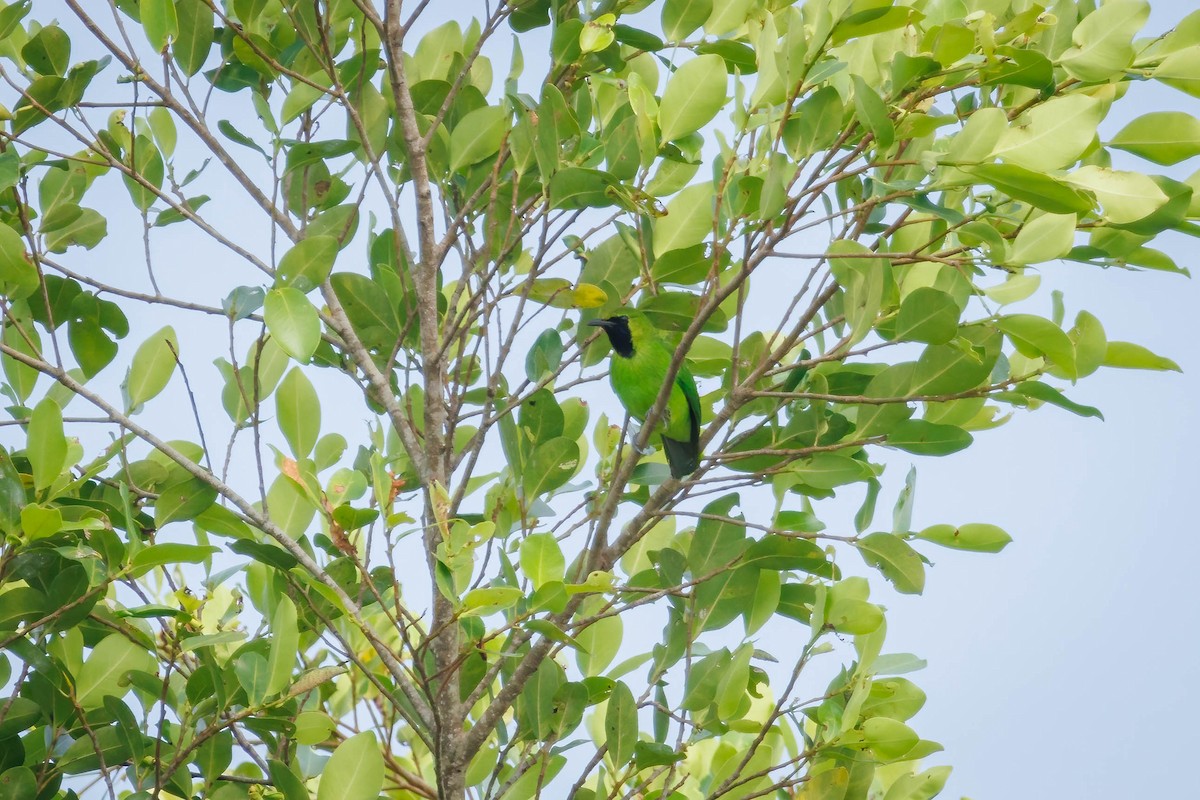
(682, 457)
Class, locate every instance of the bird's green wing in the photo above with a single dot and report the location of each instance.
(687, 384)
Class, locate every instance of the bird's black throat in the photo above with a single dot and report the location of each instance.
(619, 336)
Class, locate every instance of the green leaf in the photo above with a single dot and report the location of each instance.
(18, 783)
(652, 754)
(928, 438)
(49, 51)
(559, 293)
(1104, 41)
(147, 163)
(1052, 135)
(490, 599)
(308, 264)
(158, 555)
(293, 322)
(1164, 137)
(550, 465)
(919, 786)
(1048, 394)
(864, 278)
(22, 378)
(1126, 196)
(38, 522)
(46, 446)
(545, 355)
(313, 727)
(1036, 337)
(366, 303)
(285, 644)
(681, 17)
(597, 34)
(815, 124)
(542, 559)
(927, 315)
(888, 739)
(285, 781)
(106, 745)
(87, 230)
(576, 187)
(978, 138)
(477, 136)
(976, 537)
(1127, 355)
(1045, 238)
(159, 22)
(1018, 67)
(898, 562)
(152, 367)
(688, 220)
(873, 113)
(1090, 342)
(183, 499)
(717, 543)
(1039, 190)
(694, 95)
(298, 412)
(18, 277)
(621, 724)
(854, 616)
(830, 470)
(195, 38)
(251, 671)
(104, 668)
(10, 169)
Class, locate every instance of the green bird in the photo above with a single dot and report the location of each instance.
(639, 367)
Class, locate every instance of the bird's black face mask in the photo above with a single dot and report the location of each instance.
(619, 336)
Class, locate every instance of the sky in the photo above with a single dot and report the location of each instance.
(1063, 667)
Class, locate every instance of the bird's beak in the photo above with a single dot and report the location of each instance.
(598, 323)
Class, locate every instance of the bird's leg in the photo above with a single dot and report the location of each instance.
(635, 429)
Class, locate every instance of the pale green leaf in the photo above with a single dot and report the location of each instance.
(895, 560)
(681, 17)
(694, 95)
(18, 276)
(308, 264)
(285, 644)
(354, 771)
(1103, 41)
(298, 412)
(152, 367)
(889, 739)
(477, 135)
(1044, 238)
(103, 668)
(688, 220)
(1164, 137)
(1127, 355)
(159, 22)
(863, 276)
(1125, 196)
(542, 559)
(621, 724)
(976, 537)
(1052, 135)
(977, 140)
(1036, 337)
(293, 322)
(46, 446)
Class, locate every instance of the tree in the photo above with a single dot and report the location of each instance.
(399, 459)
